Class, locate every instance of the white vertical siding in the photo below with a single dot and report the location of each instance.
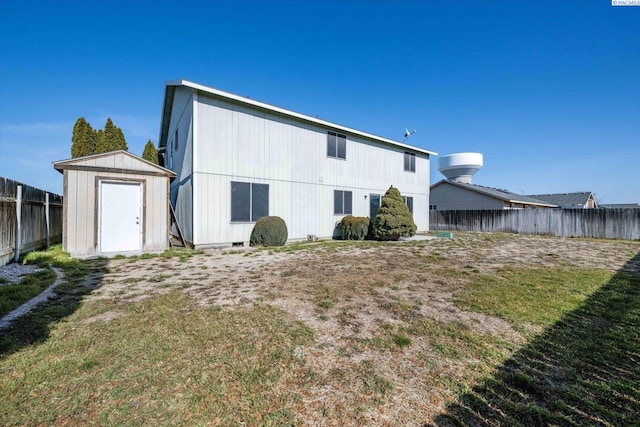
(241, 143)
(82, 200)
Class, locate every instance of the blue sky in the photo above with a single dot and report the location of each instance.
(548, 91)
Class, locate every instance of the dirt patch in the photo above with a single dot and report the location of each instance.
(358, 299)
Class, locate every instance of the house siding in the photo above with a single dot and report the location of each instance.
(450, 197)
(236, 142)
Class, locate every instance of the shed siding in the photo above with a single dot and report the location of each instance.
(450, 197)
(239, 143)
(81, 191)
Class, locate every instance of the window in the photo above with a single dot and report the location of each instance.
(336, 145)
(409, 162)
(249, 202)
(175, 140)
(341, 202)
(432, 207)
(374, 205)
(408, 200)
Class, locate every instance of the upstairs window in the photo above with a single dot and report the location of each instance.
(409, 162)
(336, 145)
(175, 140)
(249, 201)
(342, 202)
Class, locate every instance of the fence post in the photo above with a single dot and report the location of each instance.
(18, 223)
(46, 215)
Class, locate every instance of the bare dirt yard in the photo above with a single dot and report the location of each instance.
(391, 344)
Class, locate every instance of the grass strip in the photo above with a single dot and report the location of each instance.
(31, 285)
(531, 296)
(582, 370)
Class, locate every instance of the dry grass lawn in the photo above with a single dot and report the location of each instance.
(325, 333)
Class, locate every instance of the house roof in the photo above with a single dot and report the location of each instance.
(171, 86)
(565, 199)
(114, 161)
(620, 206)
(497, 193)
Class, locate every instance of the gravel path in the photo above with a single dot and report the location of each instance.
(13, 272)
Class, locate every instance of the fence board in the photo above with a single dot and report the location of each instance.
(33, 233)
(595, 223)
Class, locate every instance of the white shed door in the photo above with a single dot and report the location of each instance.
(120, 217)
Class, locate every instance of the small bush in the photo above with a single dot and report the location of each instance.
(393, 220)
(354, 227)
(269, 231)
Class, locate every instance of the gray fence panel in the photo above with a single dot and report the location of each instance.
(33, 224)
(595, 223)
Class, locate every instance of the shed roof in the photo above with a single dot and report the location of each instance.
(171, 86)
(497, 193)
(114, 161)
(565, 199)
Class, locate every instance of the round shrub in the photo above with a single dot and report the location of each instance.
(393, 220)
(269, 231)
(354, 227)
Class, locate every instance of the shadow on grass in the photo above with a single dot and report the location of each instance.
(584, 370)
(81, 278)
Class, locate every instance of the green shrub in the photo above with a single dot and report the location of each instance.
(393, 220)
(269, 231)
(354, 227)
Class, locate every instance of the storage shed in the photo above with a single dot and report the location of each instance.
(114, 203)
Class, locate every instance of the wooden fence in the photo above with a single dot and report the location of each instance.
(595, 223)
(30, 219)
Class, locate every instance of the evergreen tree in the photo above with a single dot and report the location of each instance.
(393, 219)
(86, 141)
(111, 139)
(83, 139)
(107, 140)
(120, 143)
(150, 153)
(99, 138)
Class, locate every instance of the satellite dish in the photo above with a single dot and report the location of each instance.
(408, 133)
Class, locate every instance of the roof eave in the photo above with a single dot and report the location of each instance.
(261, 105)
(60, 165)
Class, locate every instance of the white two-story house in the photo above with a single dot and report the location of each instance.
(238, 159)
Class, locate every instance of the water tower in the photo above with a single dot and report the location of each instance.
(460, 166)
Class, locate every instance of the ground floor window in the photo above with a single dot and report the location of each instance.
(249, 201)
(342, 202)
(408, 200)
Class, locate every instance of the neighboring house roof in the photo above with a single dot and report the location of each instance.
(620, 205)
(134, 164)
(565, 199)
(171, 85)
(504, 195)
